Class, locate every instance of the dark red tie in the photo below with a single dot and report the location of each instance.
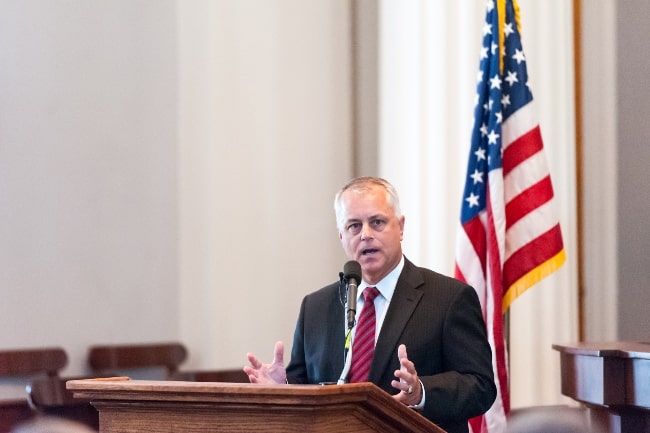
(363, 346)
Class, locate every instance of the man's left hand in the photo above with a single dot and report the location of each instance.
(408, 382)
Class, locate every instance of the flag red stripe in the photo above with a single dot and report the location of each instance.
(478, 423)
(476, 234)
(528, 201)
(533, 254)
(458, 274)
(521, 149)
(497, 288)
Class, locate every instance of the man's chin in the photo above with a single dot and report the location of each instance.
(369, 264)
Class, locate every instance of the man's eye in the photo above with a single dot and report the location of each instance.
(354, 227)
(378, 223)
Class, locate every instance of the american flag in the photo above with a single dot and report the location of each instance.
(509, 236)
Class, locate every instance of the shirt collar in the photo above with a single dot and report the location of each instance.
(387, 285)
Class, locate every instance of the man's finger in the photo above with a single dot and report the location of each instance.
(401, 352)
(278, 355)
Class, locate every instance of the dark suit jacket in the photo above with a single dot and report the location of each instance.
(439, 320)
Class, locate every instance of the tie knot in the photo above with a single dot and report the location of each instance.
(370, 293)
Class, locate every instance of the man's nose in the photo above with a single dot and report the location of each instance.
(366, 232)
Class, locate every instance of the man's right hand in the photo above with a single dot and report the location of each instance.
(267, 374)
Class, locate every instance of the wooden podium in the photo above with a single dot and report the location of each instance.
(168, 406)
(612, 380)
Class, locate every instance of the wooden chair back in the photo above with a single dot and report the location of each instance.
(31, 362)
(26, 364)
(118, 359)
(49, 396)
(226, 375)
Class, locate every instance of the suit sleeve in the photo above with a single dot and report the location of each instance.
(297, 369)
(317, 351)
(466, 386)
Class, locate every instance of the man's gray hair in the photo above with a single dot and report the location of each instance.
(365, 184)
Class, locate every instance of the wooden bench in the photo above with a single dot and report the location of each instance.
(27, 364)
(134, 359)
(49, 396)
(226, 375)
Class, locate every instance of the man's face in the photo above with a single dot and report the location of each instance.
(371, 233)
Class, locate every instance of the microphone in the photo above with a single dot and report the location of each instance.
(352, 275)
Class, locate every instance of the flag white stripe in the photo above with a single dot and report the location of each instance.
(498, 210)
(518, 124)
(530, 227)
(525, 175)
(495, 417)
(470, 265)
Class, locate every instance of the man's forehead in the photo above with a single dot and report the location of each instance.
(361, 217)
(370, 197)
(355, 213)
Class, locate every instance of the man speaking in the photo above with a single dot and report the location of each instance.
(416, 334)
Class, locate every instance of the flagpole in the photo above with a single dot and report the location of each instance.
(577, 44)
(506, 337)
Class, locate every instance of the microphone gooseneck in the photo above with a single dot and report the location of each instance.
(352, 276)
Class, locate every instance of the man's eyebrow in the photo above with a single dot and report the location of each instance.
(370, 218)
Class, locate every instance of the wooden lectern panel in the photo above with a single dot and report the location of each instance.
(170, 406)
(612, 379)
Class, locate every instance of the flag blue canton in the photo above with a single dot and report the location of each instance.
(498, 96)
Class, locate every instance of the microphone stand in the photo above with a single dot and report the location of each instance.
(350, 323)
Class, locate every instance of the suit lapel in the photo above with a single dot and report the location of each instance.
(405, 299)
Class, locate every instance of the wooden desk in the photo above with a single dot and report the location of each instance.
(173, 406)
(612, 380)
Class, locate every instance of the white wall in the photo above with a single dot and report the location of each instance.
(167, 171)
(265, 143)
(88, 174)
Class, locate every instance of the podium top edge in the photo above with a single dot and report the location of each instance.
(615, 349)
(125, 383)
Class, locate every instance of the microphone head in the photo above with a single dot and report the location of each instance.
(352, 269)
